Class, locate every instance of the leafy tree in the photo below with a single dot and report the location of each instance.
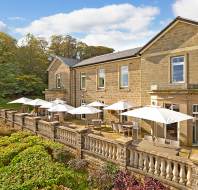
(67, 46)
(7, 48)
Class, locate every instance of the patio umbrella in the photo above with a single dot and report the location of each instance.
(158, 114)
(84, 109)
(47, 105)
(36, 102)
(60, 108)
(22, 100)
(119, 106)
(97, 104)
(58, 101)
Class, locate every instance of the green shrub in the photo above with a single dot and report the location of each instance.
(30, 162)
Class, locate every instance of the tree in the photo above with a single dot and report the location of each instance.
(7, 48)
(67, 46)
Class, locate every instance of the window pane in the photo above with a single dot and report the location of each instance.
(178, 69)
(124, 76)
(83, 80)
(101, 78)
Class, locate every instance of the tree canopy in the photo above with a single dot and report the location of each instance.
(23, 68)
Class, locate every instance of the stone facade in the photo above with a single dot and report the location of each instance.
(64, 91)
(149, 78)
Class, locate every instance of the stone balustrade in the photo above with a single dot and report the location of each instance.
(47, 129)
(10, 117)
(101, 146)
(19, 119)
(66, 136)
(175, 171)
(31, 123)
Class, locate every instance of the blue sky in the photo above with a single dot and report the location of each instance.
(115, 23)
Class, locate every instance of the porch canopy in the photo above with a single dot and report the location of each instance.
(22, 100)
(97, 104)
(120, 106)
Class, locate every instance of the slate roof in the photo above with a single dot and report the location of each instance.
(68, 61)
(109, 57)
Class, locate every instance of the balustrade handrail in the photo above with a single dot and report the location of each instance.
(102, 138)
(162, 155)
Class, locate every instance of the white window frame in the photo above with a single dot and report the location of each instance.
(82, 102)
(58, 78)
(82, 75)
(172, 69)
(121, 72)
(194, 114)
(101, 87)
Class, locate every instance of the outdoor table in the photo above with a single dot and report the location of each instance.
(129, 128)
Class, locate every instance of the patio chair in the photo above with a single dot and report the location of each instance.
(160, 140)
(174, 143)
(148, 138)
(115, 127)
(121, 129)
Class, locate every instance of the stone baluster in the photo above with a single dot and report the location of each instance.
(157, 166)
(151, 164)
(162, 168)
(110, 151)
(175, 172)
(113, 152)
(189, 176)
(140, 164)
(107, 150)
(145, 162)
(135, 159)
(169, 171)
(131, 157)
(182, 174)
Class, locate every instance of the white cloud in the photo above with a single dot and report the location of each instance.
(118, 26)
(186, 8)
(3, 26)
(15, 18)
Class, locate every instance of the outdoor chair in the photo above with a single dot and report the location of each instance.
(121, 129)
(160, 140)
(115, 127)
(148, 138)
(174, 143)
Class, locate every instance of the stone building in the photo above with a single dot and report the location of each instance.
(164, 72)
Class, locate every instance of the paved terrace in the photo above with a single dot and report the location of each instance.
(97, 147)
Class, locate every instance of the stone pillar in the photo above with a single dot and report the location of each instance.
(35, 124)
(81, 141)
(123, 152)
(54, 125)
(21, 122)
(12, 114)
(4, 114)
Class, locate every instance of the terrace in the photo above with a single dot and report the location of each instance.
(102, 143)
